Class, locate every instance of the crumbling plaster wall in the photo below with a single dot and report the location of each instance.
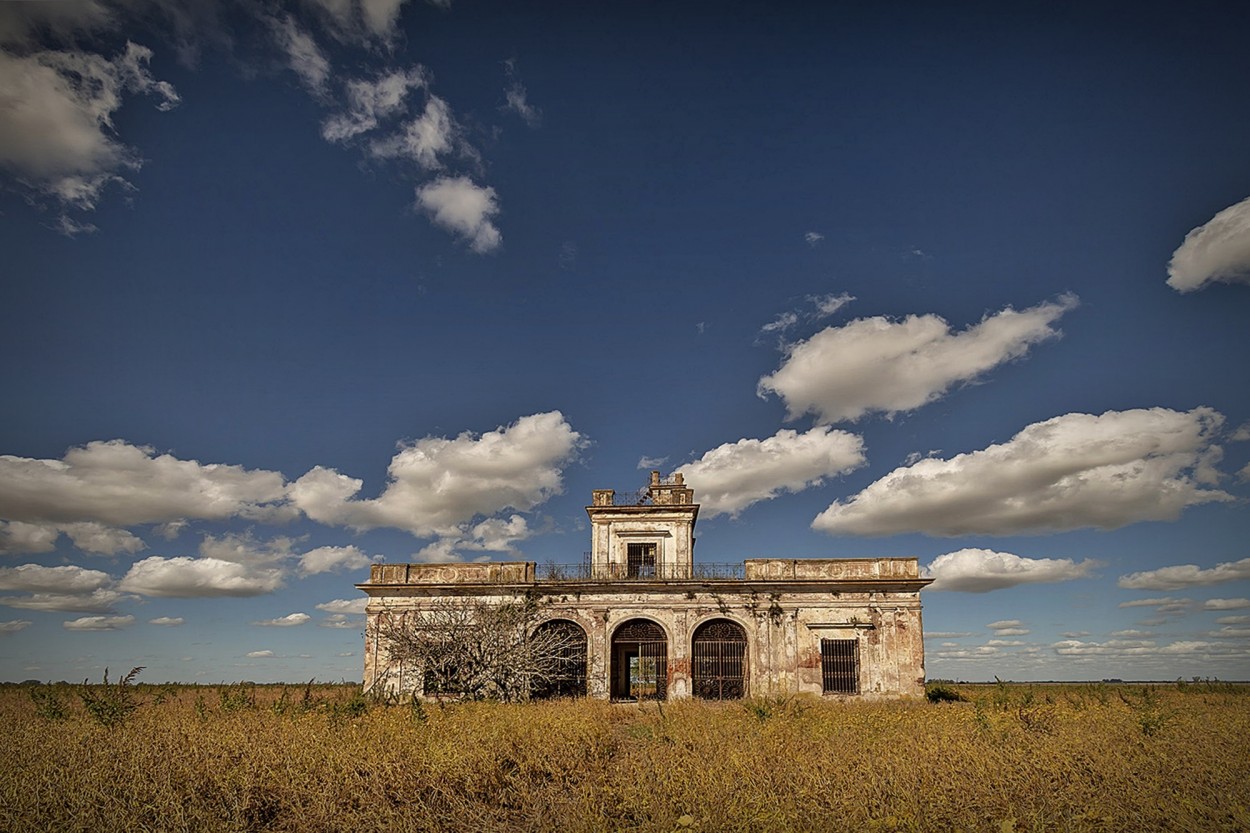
(784, 626)
(611, 532)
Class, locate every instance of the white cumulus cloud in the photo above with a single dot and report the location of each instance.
(167, 621)
(491, 535)
(437, 484)
(498, 534)
(88, 536)
(1218, 250)
(244, 548)
(119, 484)
(980, 570)
(33, 578)
(57, 133)
(20, 537)
(185, 577)
(66, 589)
(328, 559)
(1186, 575)
(351, 606)
(13, 626)
(98, 623)
(1069, 472)
(733, 476)
(97, 538)
(462, 207)
(1225, 604)
(260, 654)
(880, 365)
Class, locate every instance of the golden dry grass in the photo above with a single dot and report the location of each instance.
(1014, 758)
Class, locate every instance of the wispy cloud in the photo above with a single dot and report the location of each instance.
(1186, 575)
(303, 55)
(516, 97)
(291, 620)
(816, 308)
(57, 131)
(352, 606)
(1008, 627)
(1225, 604)
(99, 623)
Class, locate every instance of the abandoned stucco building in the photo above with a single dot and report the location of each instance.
(648, 622)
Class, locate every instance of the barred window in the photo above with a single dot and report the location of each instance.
(839, 666)
(641, 560)
(567, 667)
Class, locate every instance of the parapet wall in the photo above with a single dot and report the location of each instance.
(754, 569)
(489, 572)
(825, 569)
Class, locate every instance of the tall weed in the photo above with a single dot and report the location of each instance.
(110, 704)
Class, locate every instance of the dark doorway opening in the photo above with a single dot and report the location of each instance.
(639, 661)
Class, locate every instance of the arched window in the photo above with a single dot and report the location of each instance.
(639, 661)
(562, 645)
(719, 660)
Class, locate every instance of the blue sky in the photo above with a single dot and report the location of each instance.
(292, 287)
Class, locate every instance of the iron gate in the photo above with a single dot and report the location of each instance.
(718, 659)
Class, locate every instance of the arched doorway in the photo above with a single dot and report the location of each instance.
(639, 661)
(719, 660)
(564, 642)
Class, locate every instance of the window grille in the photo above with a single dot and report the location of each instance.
(640, 560)
(839, 666)
(568, 677)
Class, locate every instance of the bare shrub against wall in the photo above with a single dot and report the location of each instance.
(470, 649)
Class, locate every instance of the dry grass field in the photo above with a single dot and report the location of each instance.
(318, 758)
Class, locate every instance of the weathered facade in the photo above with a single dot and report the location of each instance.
(651, 623)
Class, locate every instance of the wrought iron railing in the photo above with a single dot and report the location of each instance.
(646, 572)
(635, 497)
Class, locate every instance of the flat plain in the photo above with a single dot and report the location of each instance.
(1007, 757)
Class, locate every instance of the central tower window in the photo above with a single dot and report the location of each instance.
(640, 560)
